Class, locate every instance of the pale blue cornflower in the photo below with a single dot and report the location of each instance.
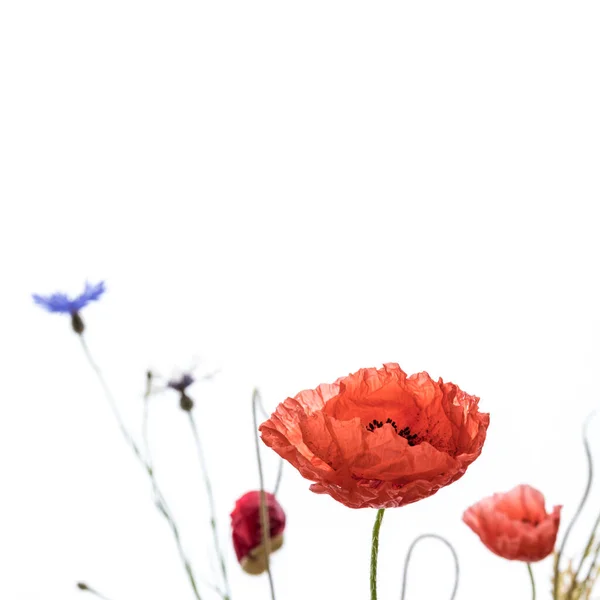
(180, 385)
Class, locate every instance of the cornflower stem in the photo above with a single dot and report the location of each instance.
(586, 493)
(264, 513)
(160, 501)
(442, 539)
(532, 581)
(211, 502)
(375, 552)
(111, 401)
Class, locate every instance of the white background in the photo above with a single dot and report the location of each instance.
(289, 192)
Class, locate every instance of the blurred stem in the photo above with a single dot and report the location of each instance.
(589, 580)
(280, 467)
(279, 476)
(264, 513)
(111, 401)
(211, 502)
(442, 539)
(375, 552)
(160, 501)
(586, 493)
(532, 581)
(165, 511)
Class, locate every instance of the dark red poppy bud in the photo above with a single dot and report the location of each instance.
(246, 530)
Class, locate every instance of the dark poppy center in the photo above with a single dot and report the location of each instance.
(411, 438)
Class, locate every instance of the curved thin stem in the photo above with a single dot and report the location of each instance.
(532, 581)
(264, 513)
(409, 554)
(279, 476)
(211, 503)
(586, 493)
(375, 552)
(159, 498)
(280, 467)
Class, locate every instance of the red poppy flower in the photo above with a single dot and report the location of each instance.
(515, 525)
(247, 533)
(377, 437)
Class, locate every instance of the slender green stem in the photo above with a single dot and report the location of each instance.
(112, 403)
(532, 581)
(165, 511)
(279, 476)
(375, 552)
(586, 493)
(409, 554)
(264, 513)
(280, 467)
(211, 503)
(145, 418)
(159, 498)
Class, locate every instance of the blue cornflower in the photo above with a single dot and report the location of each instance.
(61, 303)
(181, 384)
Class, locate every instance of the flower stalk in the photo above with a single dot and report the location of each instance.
(532, 581)
(160, 501)
(375, 552)
(211, 503)
(442, 539)
(264, 513)
(582, 502)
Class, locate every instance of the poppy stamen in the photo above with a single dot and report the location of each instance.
(405, 432)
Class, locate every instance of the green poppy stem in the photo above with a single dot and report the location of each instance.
(532, 581)
(375, 552)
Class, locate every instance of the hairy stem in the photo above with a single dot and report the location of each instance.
(375, 553)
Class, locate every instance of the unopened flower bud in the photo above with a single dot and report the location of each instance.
(246, 531)
(185, 402)
(77, 323)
